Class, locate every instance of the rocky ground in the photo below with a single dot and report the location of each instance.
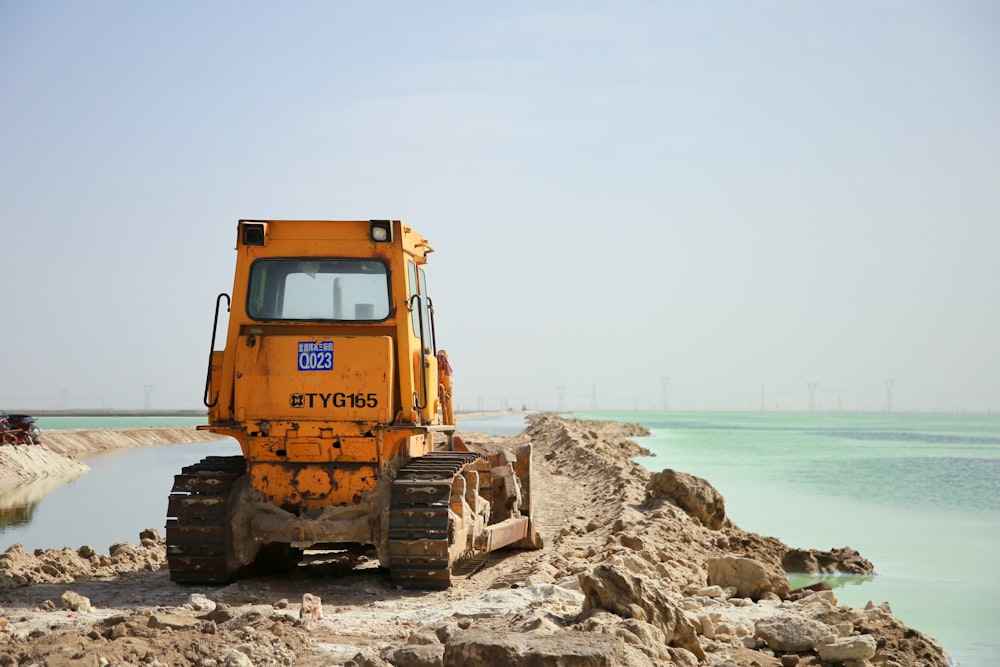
(638, 569)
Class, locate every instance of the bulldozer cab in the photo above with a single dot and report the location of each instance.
(331, 381)
(330, 323)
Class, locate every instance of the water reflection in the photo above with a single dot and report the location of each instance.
(124, 493)
(18, 503)
(835, 581)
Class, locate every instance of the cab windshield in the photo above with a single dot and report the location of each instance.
(352, 290)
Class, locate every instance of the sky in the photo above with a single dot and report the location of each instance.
(638, 205)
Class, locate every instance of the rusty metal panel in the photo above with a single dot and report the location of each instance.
(299, 485)
(317, 449)
(313, 451)
(358, 449)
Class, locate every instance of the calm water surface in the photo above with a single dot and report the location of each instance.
(508, 424)
(122, 494)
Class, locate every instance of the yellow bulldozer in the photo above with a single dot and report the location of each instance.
(333, 385)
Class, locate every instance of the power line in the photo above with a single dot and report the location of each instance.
(812, 395)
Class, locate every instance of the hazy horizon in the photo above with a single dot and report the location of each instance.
(689, 206)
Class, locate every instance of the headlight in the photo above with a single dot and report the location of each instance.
(253, 233)
(380, 231)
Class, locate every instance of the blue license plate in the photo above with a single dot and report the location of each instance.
(315, 356)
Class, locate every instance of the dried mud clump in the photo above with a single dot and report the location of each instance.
(45, 566)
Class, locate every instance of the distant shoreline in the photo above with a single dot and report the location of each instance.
(114, 413)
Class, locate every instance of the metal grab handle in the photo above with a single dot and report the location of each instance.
(434, 343)
(211, 349)
(423, 363)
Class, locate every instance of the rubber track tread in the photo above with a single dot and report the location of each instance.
(197, 520)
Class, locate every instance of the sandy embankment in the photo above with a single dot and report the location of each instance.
(21, 464)
(80, 442)
(57, 457)
(638, 569)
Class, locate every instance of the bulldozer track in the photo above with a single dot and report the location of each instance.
(420, 540)
(198, 532)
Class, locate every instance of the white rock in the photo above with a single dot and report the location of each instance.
(860, 647)
(230, 657)
(312, 607)
(75, 602)
(200, 602)
(791, 632)
(710, 591)
(826, 598)
(723, 629)
(844, 629)
(707, 627)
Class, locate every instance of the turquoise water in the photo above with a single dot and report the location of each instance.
(507, 424)
(918, 495)
(64, 423)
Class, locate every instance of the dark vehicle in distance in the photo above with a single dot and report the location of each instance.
(18, 430)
